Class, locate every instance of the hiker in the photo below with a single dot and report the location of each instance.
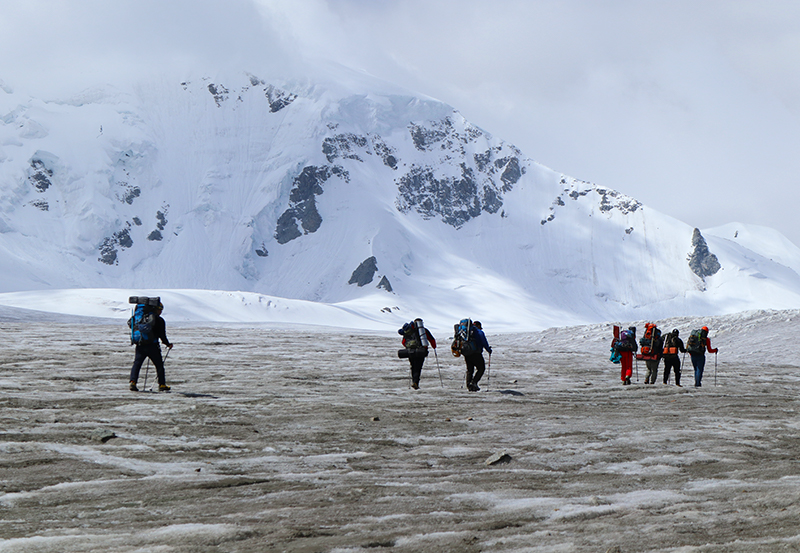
(476, 365)
(416, 344)
(697, 345)
(151, 349)
(652, 344)
(672, 362)
(626, 346)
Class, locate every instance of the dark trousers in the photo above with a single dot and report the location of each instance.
(475, 368)
(152, 351)
(699, 364)
(416, 367)
(672, 362)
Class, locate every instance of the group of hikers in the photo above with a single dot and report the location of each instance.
(468, 340)
(148, 328)
(654, 347)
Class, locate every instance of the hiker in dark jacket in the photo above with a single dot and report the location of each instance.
(652, 354)
(672, 361)
(417, 350)
(152, 350)
(699, 357)
(476, 365)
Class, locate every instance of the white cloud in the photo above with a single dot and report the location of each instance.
(692, 107)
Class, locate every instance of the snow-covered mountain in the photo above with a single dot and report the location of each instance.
(346, 190)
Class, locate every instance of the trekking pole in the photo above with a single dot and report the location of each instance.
(147, 370)
(489, 372)
(715, 369)
(636, 364)
(437, 367)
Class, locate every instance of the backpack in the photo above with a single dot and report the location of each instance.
(696, 343)
(670, 344)
(143, 320)
(651, 340)
(411, 336)
(463, 339)
(627, 341)
(414, 346)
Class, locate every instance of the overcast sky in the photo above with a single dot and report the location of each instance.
(692, 107)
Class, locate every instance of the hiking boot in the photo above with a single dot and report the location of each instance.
(415, 385)
(163, 388)
(133, 387)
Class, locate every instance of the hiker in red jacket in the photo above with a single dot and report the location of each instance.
(416, 344)
(698, 354)
(626, 346)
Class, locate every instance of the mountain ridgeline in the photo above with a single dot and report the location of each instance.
(334, 193)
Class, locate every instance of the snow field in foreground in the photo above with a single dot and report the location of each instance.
(310, 440)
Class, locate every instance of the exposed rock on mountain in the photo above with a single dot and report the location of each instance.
(702, 262)
(365, 272)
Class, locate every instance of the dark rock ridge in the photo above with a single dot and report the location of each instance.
(385, 284)
(302, 202)
(353, 146)
(219, 92)
(40, 175)
(108, 247)
(702, 262)
(365, 272)
(479, 181)
(610, 200)
(277, 98)
(161, 217)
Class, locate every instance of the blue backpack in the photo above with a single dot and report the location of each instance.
(463, 338)
(143, 320)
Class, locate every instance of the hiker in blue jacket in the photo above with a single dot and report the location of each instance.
(475, 362)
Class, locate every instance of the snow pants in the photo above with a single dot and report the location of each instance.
(475, 368)
(626, 365)
(153, 352)
(672, 362)
(699, 364)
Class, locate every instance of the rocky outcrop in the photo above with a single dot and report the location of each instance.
(108, 248)
(356, 147)
(456, 186)
(702, 262)
(610, 200)
(302, 202)
(365, 272)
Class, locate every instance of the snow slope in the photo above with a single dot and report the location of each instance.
(347, 192)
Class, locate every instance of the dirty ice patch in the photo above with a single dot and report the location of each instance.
(630, 467)
(562, 508)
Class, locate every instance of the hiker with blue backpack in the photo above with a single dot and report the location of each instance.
(623, 346)
(147, 328)
(697, 344)
(470, 341)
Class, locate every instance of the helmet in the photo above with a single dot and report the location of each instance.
(675, 331)
(705, 328)
(478, 324)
